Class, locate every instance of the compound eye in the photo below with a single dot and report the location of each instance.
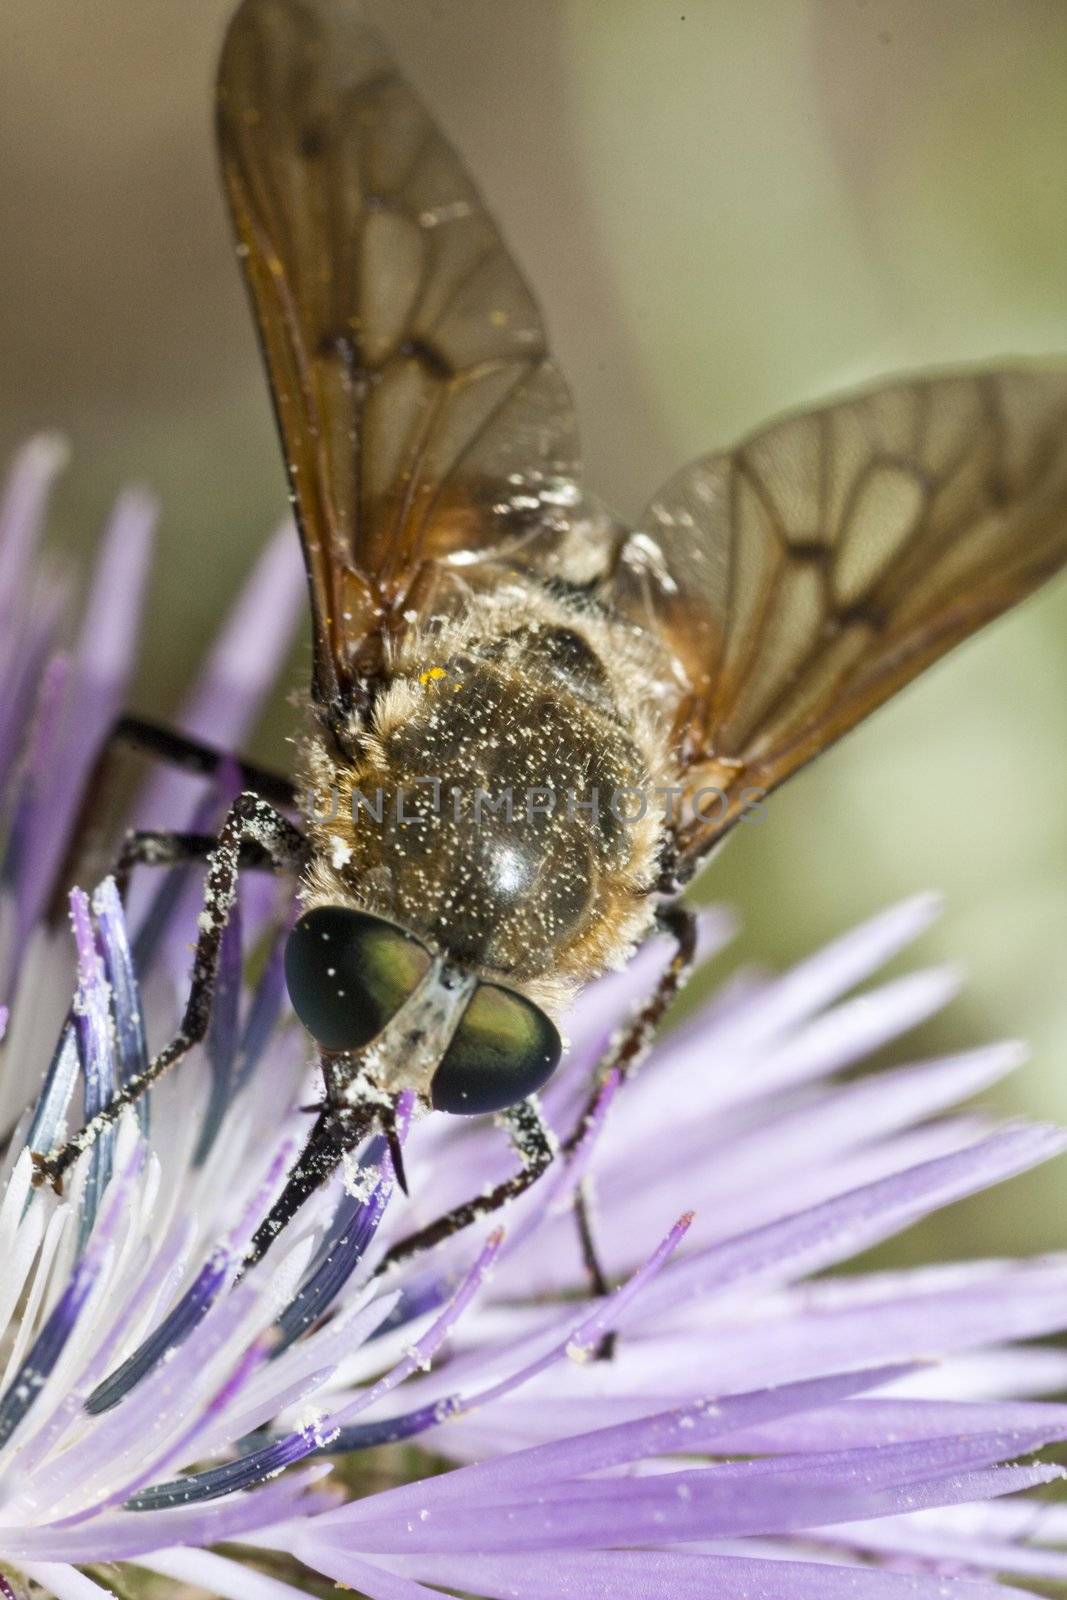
(504, 1049)
(348, 974)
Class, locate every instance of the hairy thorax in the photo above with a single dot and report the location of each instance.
(500, 801)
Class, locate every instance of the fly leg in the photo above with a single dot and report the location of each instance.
(635, 1041)
(599, 1282)
(623, 1060)
(337, 1131)
(174, 749)
(194, 756)
(343, 1122)
(149, 847)
(536, 1148)
(251, 826)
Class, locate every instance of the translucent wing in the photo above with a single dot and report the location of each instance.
(419, 415)
(805, 577)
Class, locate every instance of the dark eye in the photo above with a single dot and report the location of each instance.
(349, 973)
(503, 1050)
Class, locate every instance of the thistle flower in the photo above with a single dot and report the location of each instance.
(758, 1431)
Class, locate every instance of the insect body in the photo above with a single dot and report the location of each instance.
(480, 807)
(528, 725)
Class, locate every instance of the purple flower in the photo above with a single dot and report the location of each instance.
(758, 1431)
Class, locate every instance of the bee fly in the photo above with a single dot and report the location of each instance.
(482, 629)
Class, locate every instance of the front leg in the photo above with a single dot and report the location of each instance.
(252, 826)
(338, 1130)
(537, 1148)
(152, 847)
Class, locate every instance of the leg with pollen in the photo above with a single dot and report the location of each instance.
(536, 1147)
(252, 828)
(337, 1131)
(147, 847)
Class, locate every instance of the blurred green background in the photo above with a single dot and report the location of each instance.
(726, 209)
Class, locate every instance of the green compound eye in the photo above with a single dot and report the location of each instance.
(504, 1049)
(348, 973)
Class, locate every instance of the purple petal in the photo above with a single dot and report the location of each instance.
(26, 492)
(133, 1441)
(343, 1248)
(391, 1430)
(56, 1092)
(245, 1472)
(843, 1226)
(125, 1536)
(107, 644)
(47, 1348)
(195, 1304)
(425, 1348)
(678, 1507)
(689, 1430)
(69, 1412)
(218, 1575)
(237, 676)
(839, 966)
(899, 1537)
(130, 1045)
(676, 1575)
(103, 661)
(855, 1028)
(177, 1325)
(258, 1465)
(26, 1386)
(875, 1422)
(370, 1580)
(92, 1024)
(582, 1342)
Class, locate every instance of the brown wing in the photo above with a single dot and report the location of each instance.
(419, 415)
(805, 577)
